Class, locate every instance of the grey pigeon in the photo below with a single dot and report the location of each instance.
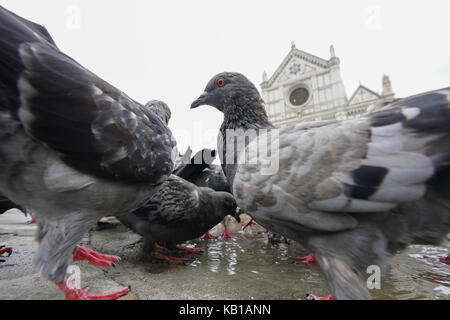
(354, 192)
(178, 212)
(161, 109)
(74, 148)
(201, 172)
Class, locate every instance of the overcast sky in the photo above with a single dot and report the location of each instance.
(168, 50)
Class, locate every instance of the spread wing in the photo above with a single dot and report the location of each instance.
(93, 126)
(371, 164)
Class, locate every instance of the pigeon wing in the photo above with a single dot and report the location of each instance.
(370, 164)
(177, 200)
(93, 126)
(38, 30)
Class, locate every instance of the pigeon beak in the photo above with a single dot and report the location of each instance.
(200, 101)
(237, 215)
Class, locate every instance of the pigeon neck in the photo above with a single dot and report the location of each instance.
(246, 113)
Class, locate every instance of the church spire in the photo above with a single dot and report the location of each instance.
(387, 87)
(292, 45)
(332, 53)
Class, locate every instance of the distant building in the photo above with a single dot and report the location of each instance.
(306, 88)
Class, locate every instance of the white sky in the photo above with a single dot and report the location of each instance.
(168, 50)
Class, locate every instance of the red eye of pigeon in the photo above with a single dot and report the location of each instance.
(220, 82)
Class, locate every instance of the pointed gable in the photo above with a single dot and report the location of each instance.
(363, 94)
(297, 62)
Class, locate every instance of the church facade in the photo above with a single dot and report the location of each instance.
(308, 88)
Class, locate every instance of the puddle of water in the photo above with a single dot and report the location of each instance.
(250, 267)
(241, 268)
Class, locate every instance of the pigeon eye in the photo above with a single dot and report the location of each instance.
(220, 82)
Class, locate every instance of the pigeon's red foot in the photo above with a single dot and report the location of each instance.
(441, 259)
(192, 250)
(159, 245)
(171, 260)
(208, 236)
(445, 259)
(310, 296)
(33, 220)
(131, 231)
(4, 249)
(264, 231)
(83, 294)
(248, 224)
(227, 234)
(93, 257)
(309, 258)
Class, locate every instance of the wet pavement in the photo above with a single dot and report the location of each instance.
(250, 266)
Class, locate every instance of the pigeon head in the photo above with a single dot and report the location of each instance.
(225, 89)
(238, 99)
(225, 204)
(161, 109)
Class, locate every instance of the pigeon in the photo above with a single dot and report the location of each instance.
(354, 192)
(178, 212)
(200, 171)
(161, 109)
(74, 148)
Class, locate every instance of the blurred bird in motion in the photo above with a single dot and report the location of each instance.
(74, 148)
(354, 192)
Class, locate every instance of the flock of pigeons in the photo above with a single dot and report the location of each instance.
(74, 149)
